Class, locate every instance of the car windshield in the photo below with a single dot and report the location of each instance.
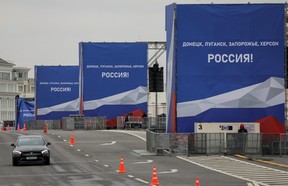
(30, 141)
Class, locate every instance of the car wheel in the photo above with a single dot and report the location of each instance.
(47, 161)
(15, 162)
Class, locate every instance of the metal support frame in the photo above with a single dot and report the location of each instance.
(160, 48)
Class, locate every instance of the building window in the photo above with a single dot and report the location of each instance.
(20, 88)
(32, 89)
(20, 75)
(5, 75)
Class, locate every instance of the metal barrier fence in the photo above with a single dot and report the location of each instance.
(69, 123)
(84, 123)
(39, 124)
(159, 142)
(137, 122)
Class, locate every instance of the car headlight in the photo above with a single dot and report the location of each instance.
(16, 152)
(45, 151)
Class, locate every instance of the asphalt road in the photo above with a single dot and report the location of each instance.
(95, 159)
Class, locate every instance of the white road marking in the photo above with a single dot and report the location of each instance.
(255, 183)
(58, 168)
(65, 140)
(217, 170)
(78, 150)
(137, 136)
(96, 161)
(148, 161)
(112, 143)
(130, 176)
(59, 136)
(255, 165)
(126, 132)
(106, 165)
(87, 155)
(253, 173)
(143, 181)
(71, 145)
(168, 172)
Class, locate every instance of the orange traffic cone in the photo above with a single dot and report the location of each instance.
(18, 128)
(45, 129)
(197, 181)
(8, 128)
(72, 140)
(121, 167)
(24, 128)
(154, 180)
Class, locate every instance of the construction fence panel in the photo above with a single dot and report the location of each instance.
(134, 122)
(68, 123)
(120, 122)
(84, 123)
(200, 145)
(138, 122)
(206, 143)
(243, 143)
(151, 141)
(156, 123)
(178, 143)
(39, 124)
(157, 142)
(217, 143)
(253, 145)
(162, 141)
(270, 144)
(274, 144)
(94, 123)
(284, 144)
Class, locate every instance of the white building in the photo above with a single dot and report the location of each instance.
(25, 85)
(14, 82)
(8, 92)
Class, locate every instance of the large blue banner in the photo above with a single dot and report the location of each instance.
(230, 63)
(114, 78)
(57, 91)
(25, 112)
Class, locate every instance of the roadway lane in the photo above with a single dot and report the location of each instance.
(94, 159)
(106, 147)
(67, 167)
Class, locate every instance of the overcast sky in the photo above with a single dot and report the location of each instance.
(47, 32)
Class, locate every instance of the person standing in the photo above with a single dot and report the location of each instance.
(242, 139)
(144, 122)
(242, 129)
(127, 121)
